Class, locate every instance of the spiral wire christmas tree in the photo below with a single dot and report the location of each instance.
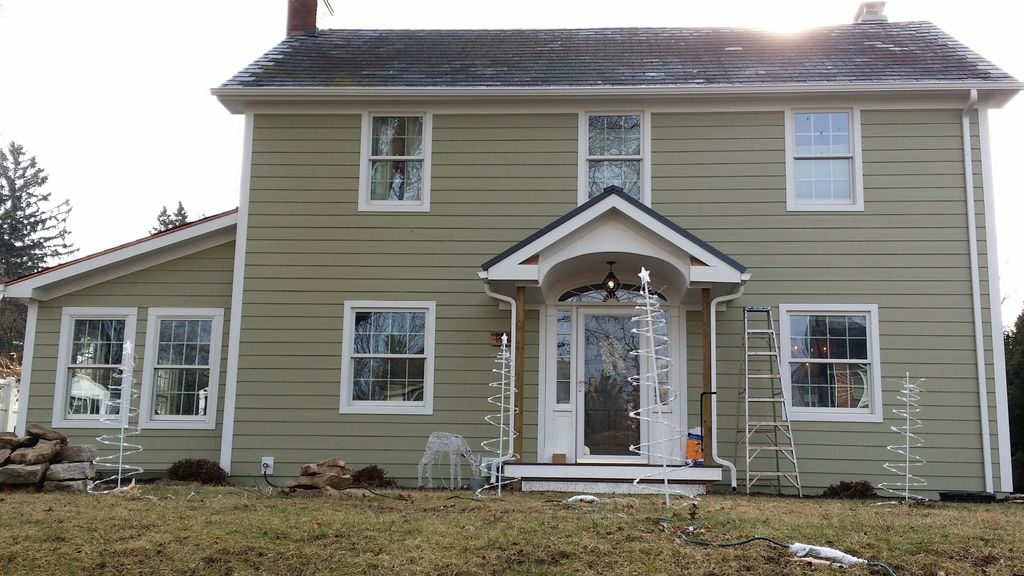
(653, 347)
(493, 468)
(122, 421)
(910, 395)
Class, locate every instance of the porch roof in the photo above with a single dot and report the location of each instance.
(520, 261)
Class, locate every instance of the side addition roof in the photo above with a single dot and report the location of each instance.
(126, 258)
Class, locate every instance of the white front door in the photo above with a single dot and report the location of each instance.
(605, 362)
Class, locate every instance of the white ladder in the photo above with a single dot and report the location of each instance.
(768, 436)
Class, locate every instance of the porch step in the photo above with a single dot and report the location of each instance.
(610, 472)
(596, 487)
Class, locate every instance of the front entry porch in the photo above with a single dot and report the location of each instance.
(588, 349)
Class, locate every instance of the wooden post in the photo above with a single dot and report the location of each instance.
(706, 429)
(520, 368)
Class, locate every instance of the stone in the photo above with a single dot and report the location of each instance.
(41, 452)
(44, 433)
(73, 486)
(77, 454)
(319, 481)
(22, 474)
(14, 442)
(332, 462)
(3, 456)
(70, 471)
(314, 469)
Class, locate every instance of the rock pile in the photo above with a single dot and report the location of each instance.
(44, 459)
(326, 476)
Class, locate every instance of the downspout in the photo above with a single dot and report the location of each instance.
(714, 384)
(512, 366)
(979, 336)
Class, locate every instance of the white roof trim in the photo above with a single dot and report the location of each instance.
(234, 98)
(128, 258)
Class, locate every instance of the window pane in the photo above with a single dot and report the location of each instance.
(622, 173)
(180, 391)
(821, 133)
(93, 391)
(396, 180)
(397, 136)
(97, 342)
(614, 135)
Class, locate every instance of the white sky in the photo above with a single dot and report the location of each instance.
(112, 96)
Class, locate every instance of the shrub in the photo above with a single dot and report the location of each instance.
(373, 477)
(850, 490)
(197, 470)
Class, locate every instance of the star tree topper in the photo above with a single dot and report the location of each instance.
(645, 275)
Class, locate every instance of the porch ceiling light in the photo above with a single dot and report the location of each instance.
(611, 283)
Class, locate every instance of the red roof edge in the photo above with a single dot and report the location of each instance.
(122, 246)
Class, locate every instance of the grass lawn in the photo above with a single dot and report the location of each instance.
(198, 530)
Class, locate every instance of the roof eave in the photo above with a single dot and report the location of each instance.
(235, 99)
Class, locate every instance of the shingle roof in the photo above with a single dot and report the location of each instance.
(883, 52)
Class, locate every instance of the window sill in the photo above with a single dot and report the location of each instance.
(393, 207)
(824, 415)
(808, 207)
(417, 409)
(178, 425)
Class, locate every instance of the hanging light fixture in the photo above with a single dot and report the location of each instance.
(611, 283)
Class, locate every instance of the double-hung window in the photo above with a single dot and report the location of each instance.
(613, 149)
(388, 358)
(823, 164)
(182, 367)
(93, 347)
(395, 171)
(830, 362)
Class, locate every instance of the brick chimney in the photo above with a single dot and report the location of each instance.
(301, 17)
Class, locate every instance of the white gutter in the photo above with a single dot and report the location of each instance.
(230, 97)
(512, 397)
(979, 335)
(714, 384)
(995, 306)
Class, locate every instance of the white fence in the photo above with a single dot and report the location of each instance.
(8, 404)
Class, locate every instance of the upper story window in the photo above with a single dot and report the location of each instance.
(91, 352)
(182, 367)
(388, 358)
(613, 149)
(395, 171)
(823, 164)
(830, 362)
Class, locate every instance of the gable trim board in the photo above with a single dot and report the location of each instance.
(995, 308)
(237, 299)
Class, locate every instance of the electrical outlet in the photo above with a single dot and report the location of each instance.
(267, 465)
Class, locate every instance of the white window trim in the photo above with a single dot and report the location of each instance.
(856, 173)
(67, 321)
(872, 414)
(367, 205)
(425, 407)
(207, 422)
(583, 152)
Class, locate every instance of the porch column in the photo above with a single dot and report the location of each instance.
(519, 354)
(706, 429)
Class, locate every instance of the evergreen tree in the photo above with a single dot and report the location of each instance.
(1013, 341)
(31, 234)
(165, 221)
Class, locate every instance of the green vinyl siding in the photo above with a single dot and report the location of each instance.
(907, 252)
(199, 280)
(495, 180)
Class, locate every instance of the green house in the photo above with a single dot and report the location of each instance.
(407, 196)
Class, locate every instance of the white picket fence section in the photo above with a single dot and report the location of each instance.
(8, 404)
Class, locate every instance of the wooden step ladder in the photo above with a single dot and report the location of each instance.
(768, 436)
